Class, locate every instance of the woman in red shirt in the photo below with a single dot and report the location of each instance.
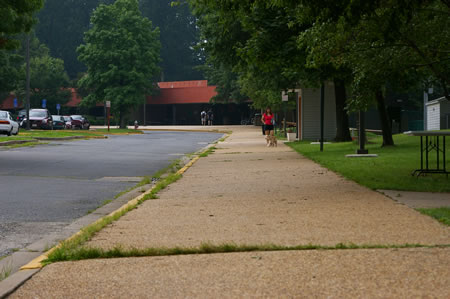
(267, 120)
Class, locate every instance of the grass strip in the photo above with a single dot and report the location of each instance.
(171, 178)
(210, 150)
(172, 168)
(82, 253)
(26, 144)
(441, 214)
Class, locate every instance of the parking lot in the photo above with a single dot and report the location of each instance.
(44, 188)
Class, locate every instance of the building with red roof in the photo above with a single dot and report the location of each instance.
(179, 102)
(8, 103)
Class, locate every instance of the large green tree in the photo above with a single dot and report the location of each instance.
(10, 72)
(121, 52)
(259, 43)
(16, 17)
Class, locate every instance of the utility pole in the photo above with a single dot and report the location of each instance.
(28, 81)
(322, 114)
(362, 134)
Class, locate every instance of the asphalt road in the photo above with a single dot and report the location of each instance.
(44, 188)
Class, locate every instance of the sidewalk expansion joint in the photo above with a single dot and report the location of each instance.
(83, 253)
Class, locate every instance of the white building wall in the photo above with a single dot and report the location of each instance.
(311, 113)
(433, 116)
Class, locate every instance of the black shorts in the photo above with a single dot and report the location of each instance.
(268, 127)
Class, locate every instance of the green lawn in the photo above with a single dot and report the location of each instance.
(441, 214)
(391, 170)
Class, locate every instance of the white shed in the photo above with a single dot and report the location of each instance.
(309, 113)
(438, 114)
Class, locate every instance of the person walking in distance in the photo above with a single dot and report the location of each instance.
(267, 120)
(210, 117)
(203, 117)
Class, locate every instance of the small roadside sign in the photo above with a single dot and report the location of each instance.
(108, 104)
(284, 96)
(58, 107)
(15, 103)
(44, 103)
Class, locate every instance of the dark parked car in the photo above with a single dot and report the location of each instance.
(58, 122)
(68, 121)
(21, 115)
(80, 122)
(39, 119)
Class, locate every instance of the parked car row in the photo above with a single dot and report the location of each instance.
(40, 119)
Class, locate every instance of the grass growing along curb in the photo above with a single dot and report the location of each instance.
(27, 135)
(83, 253)
(26, 144)
(208, 151)
(172, 168)
(67, 133)
(171, 178)
(391, 170)
(6, 271)
(87, 232)
(13, 138)
(441, 214)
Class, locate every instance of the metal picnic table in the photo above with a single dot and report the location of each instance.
(434, 141)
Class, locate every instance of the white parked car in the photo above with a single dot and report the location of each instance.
(7, 124)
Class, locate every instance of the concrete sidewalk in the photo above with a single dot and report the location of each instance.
(246, 193)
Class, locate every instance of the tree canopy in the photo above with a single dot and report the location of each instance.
(16, 17)
(121, 52)
(361, 45)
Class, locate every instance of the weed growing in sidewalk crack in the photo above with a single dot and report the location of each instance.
(82, 253)
(6, 271)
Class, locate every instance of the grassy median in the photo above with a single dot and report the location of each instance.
(33, 134)
(390, 170)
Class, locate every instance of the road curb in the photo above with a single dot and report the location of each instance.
(12, 283)
(12, 142)
(37, 139)
(188, 130)
(37, 262)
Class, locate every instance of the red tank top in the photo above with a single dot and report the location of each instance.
(268, 119)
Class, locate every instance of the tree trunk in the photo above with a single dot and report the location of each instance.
(342, 132)
(384, 119)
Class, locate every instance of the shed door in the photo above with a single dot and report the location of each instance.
(433, 117)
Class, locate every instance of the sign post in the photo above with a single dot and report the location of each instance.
(322, 114)
(108, 108)
(58, 108)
